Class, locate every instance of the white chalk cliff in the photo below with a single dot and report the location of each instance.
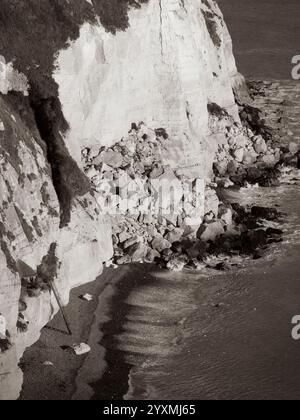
(173, 60)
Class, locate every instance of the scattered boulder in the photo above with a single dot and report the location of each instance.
(124, 236)
(174, 235)
(152, 255)
(210, 231)
(264, 213)
(238, 154)
(110, 158)
(293, 148)
(48, 363)
(22, 323)
(197, 251)
(160, 243)
(250, 157)
(87, 297)
(212, 202)
(274, 232)
(232, 167)
(225, 214)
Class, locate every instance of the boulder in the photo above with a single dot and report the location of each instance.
(132, 241)
(293, 147)
(124, 236)
(152, 255)
(255, 239)
(174, 235)
(80, 349)
(197, 250)
(157, 171)
(110, 158)
(260, 145)
(238, 154)
(250, 157)
(274, 232)
(91, 172)
(268, 160)
(264, 213)
(210, 231)
(221, 167)
(225, 214)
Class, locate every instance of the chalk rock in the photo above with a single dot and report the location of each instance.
(81, 349)
(106, 89)
(137, 252)
(174, 235)
(211, 202)
(132, 241)
(87, 297)
(239, 154)
(221, 167)
(225, 214)
(232, 167)
(110, 158)
(269, 160)
(211, 231)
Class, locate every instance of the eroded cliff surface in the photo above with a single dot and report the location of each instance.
(80, 74)
(29, 226)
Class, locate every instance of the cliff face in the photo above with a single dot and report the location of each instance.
(30, 227)
(83, 72)
(173, 60)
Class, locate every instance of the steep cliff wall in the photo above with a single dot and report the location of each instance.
(29, 225)
(88, 70)
(173, 60)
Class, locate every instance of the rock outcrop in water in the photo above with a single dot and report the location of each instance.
(82, 76)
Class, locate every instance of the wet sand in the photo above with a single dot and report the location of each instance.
(226, 336)
(57, 382)
(265, 35)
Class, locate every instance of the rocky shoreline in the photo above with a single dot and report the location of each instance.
(220, 243)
